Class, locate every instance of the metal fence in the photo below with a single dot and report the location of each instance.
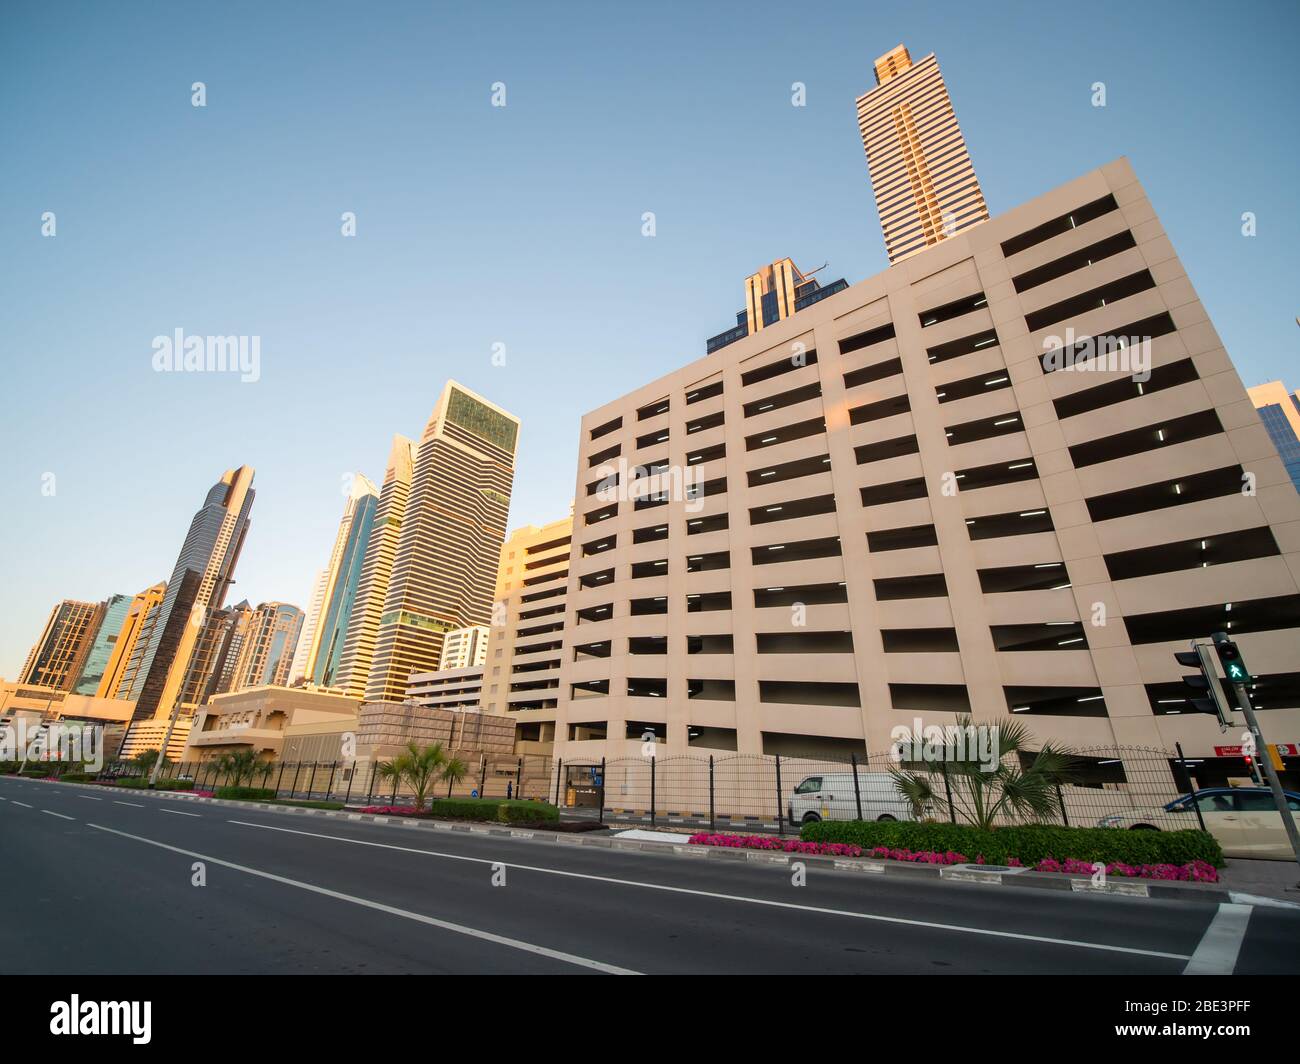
(767, 792)
(353, 782)
(723, 791)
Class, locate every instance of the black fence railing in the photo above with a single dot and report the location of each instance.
(739, 792)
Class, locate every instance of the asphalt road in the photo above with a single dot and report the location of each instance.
(105, 883)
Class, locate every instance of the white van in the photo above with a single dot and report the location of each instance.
(831, 796)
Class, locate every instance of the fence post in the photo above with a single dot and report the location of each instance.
(393, 799)
(519, 776)
(652, 790)
(352, 775)
(711, 817)
(780, 808)
(370, 794)
(600, 819)
(857, 789)
(1191, 784)
(280, 778)
(329, 789)
(293, 787)
(311, 780)
(947, 790)
(1060, 800)
(559, 772)
(482, 775)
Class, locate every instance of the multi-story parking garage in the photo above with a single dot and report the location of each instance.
(933, 494)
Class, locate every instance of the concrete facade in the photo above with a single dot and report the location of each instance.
(970, 523)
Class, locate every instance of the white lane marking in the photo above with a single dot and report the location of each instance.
(446, 925)
(1217, 952)
(741, 898)
(51, 812)
(1259, 899)
(23, 804)
(133, 805)
(90, 798)
(177, 812)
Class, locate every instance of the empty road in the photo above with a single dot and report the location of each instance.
(110, 882)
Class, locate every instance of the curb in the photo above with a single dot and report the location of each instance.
(1059, 881)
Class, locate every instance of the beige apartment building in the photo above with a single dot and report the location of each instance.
(522, 669)
(1010, 475)
(925, 186)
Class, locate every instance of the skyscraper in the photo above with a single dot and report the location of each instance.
(335, 590)
(926, 188)
(464, 648)
(772, 294)
(1280, 412)
(236, 622)
(376, 569)
(112, 615)
(266, 654)
(445, 568)
(202, 575)
(132, 642)
(56, 659)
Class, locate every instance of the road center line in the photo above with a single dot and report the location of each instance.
(876, 917)
(90, 798)
(1216, 954)
(177, 812)
(51, 812)
(23, 804)
(460, 929)
(133, 805)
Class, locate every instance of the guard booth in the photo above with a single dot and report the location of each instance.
(583, 786)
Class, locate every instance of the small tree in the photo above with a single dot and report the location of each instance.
(239, 766)
(453, 772)
(145, 760)
(418, 767)
(983, 792)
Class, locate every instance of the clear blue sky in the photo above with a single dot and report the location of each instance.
(518, 225)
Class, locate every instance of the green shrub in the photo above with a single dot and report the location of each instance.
(246, 794)
(138, 783)
(76, 777)
(38, 771)
(174, 785)
(8, 768)
(1029, 843)
(504, 810)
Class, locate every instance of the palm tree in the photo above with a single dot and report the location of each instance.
(453, 772)
(145, 761)
(418, 766)
(981, 793)
(239, 766)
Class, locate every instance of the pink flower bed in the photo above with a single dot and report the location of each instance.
(1195, 872)
(766, 842)
(201, 794)
(390, 810)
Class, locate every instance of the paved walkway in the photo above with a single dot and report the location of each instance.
(1265, 879)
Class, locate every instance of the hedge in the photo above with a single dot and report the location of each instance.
(1028, 843)
(506, 810)
(252, 794)
(503, 810)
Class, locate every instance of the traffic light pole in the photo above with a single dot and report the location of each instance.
(1270, 773)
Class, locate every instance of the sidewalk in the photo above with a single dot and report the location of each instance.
(1265, 879)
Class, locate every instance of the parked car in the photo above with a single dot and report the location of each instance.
(1245, 820)
(831, 796)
